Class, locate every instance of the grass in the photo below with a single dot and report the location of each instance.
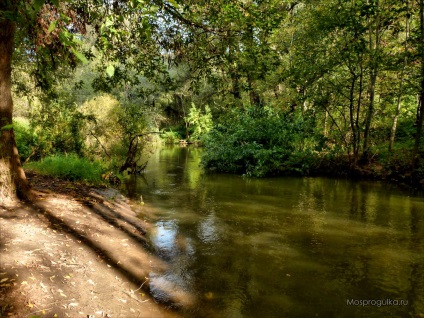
(69, 167)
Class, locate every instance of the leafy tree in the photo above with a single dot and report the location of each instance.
(48, 34)
(200, 122)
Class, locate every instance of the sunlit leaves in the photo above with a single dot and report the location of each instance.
(110, 70)
(37, 4)
(80, 56)
(52, 26)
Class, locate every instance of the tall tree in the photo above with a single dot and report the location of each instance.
(11, 172)
(49, 34)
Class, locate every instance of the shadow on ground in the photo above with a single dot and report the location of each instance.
(77, 255)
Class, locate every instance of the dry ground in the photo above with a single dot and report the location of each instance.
(77, 252)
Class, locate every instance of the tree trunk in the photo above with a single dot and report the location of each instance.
(352, 119)
(400, 93)
(13, 182)
(374, 61)
(370, 112)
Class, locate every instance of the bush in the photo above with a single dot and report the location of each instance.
(257, 142)
(70, 167)
(26, 139)
(171, 137)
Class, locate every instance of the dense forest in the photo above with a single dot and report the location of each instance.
(266, 87)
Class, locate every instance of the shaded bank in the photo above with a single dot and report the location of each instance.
(78, 251)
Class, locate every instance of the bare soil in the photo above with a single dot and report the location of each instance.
(77, 251)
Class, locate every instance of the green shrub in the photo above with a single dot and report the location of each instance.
(26, 139)
(70, 167)
(258, 142)
(171, 137)
(200, 122)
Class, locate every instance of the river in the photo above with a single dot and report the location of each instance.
(281, 247)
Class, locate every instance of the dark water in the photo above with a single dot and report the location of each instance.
(281, 247)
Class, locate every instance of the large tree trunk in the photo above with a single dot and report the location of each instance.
(13, 182)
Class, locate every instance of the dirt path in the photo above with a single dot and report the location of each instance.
(72, 253)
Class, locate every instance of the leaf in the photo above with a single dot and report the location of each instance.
(55, 2)
(52, 26)
(80, 56)
(37, 4)
(174, 3)
(7, 127)
(3, 280)
(110, 70)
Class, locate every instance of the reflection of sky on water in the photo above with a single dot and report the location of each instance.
(164, 238)
(207, 230)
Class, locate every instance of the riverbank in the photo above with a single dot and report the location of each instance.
(76, 251)
(397, 170)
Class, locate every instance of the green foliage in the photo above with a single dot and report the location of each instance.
(58, 126)
(102, 134)
(26, 139)
(70, 167)
(256, 142)
(200, 122)
(171, 137)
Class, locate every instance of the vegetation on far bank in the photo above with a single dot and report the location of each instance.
(268, 88)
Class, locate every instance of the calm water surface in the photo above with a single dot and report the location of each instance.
(281, 247)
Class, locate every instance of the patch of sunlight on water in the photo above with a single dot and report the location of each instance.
(280, 247)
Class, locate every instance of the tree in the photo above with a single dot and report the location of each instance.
(11, 172)
(49, 33)
(31, 26)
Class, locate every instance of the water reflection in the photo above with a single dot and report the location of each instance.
(281, 247)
